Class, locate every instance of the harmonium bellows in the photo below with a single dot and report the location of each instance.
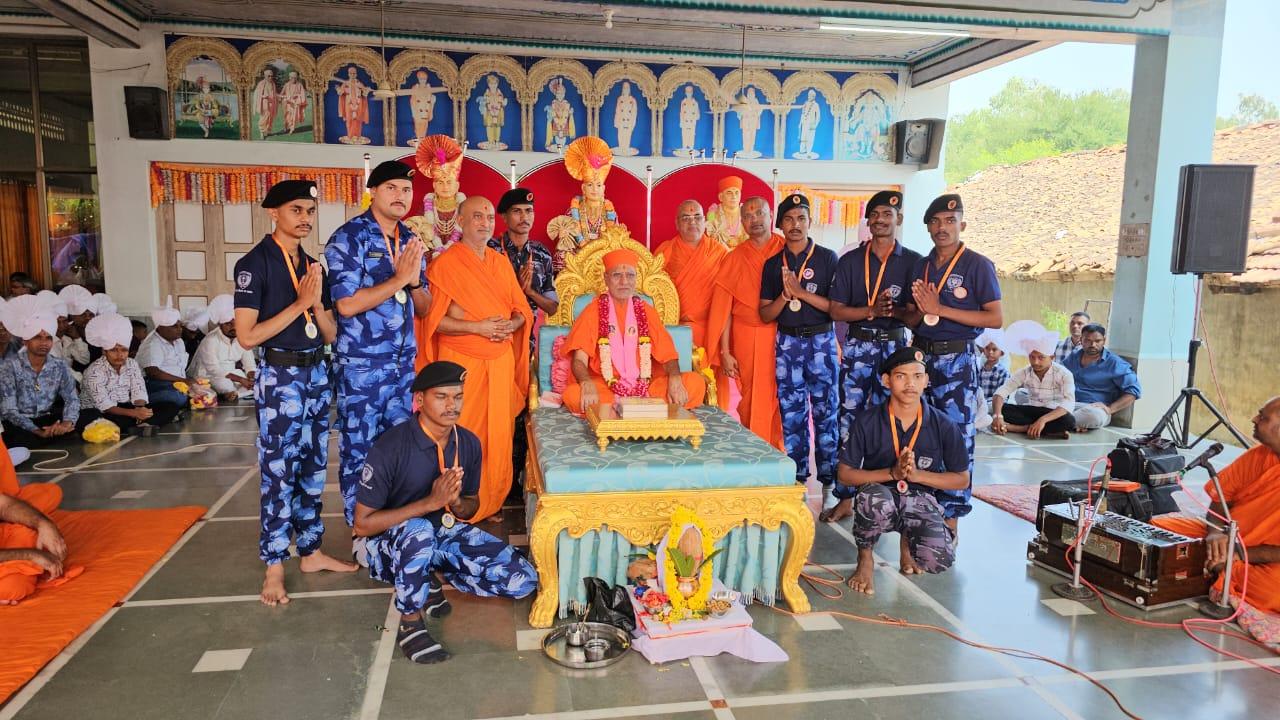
(1135, 562)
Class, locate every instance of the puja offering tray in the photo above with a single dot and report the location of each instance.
(679, 424)
(600, 640)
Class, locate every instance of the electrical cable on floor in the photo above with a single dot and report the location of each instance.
(40, 466)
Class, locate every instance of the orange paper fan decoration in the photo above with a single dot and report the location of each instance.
(588, 157)
(435, 152)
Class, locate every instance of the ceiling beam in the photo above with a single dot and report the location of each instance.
(98, 19)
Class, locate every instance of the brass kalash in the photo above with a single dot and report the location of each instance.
(631, 418)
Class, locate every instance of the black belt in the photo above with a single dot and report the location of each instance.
(942, 347)
(293, 358)
(878, 334)
(804, 331)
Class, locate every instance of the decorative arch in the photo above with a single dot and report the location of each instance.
(477, 66)
(338, 56)
(862, 81)
(261, 53)
(856, 148)
(542, 71)
(685, 74)
(437, 62)
(639, 75)
(763, 79)
(222, 52)
(796, 83)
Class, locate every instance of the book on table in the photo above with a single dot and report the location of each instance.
(642, 408)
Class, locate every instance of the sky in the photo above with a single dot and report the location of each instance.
(1247, 57)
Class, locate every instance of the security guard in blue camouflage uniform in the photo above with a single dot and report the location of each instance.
(870, 292)
(794, 286)
(412, 502)
(955, 294)
(283, 310)
(377, 275)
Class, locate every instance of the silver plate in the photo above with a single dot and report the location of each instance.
(555, 647)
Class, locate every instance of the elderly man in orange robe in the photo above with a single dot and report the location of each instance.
(620, 348)
(692, 259)
(479, 319)
(1251, 489)
(745, 350)
(32, 551)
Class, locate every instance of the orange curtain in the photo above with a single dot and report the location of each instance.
(20, 230)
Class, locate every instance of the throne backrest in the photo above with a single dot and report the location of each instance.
(583, 275)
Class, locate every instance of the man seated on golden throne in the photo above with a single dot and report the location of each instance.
(619, 340)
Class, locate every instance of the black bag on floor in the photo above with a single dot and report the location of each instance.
(1148, 459)
(1135, 504)
(609, 604)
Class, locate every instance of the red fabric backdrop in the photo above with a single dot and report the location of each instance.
(476, 178)
(696, 182)
(554, 188)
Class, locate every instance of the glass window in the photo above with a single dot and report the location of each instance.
(17, 129)
(66, 107)
(75, 231)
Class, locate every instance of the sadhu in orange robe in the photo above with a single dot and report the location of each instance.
(1251, 486)
(497, 383)
(20, 578)
(736, 299)
(693, 269)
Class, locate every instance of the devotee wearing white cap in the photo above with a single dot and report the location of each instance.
(1051, 391)
(194, 322)
(163, 357)
(229, 368)
(79, 308)
(38, 398)
(50, 301)
(9, 343)
(113, 384)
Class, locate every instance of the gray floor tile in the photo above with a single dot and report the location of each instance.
(998, 704)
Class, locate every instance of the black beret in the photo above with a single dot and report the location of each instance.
(790, 202)
(904, 356)
(513, 197)
(944, 203)
(438, 373)
(892, 198)
(288, 191)
(388, 171)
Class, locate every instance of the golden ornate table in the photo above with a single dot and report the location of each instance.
(680, 424)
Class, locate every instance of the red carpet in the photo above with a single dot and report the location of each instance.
(1019, 500)
(117, 548)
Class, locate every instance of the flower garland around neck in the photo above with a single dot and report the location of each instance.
(590, 230)
(446, 231)
(620, 387)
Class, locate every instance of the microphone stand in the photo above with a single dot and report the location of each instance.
(1222, 609)
(1075, 590)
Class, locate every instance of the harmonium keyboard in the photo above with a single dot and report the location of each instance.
(1140, 564)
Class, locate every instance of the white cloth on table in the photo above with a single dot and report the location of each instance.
(1057, 389)
(104, 388)
(745, 642)
(217, 356)
(156, 352)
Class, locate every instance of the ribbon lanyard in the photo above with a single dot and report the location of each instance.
(866, 273)
(393, 254)
(893, 430)
(800, 273)
(293, 273)
(943, 280)
(440, 455)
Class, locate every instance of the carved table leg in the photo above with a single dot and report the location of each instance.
(548, 521)
(796, 516)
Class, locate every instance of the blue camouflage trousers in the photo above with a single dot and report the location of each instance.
(293, 451)
(372, 397)
(469, 558)
(860, 384)
(807, 372)
(915, 514)
(953, 390)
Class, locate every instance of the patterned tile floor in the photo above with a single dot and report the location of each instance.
(193, 642)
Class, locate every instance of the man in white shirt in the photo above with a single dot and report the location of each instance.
(228, 367)
(1051, 391)
(163, 357)
(113, 384)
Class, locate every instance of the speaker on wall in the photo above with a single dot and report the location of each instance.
(918, 142)
(1211, 229)
(148, 111)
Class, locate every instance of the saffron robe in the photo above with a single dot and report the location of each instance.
(20, 578)
(497, 383)
(693, 269)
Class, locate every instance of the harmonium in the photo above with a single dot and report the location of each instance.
(1137, 563)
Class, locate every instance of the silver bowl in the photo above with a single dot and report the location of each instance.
(596, 648)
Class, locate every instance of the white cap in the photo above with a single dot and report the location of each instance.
(78, 299)
(1026, 336)
(32, 324)
(222, 309)
(102, 304)
(108, 331)
(195, 318)
(50, 301)
(992, 336)
(16, 310)
(167, 315)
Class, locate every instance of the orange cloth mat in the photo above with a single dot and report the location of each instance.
(116, 548)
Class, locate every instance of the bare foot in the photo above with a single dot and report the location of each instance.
(273, 587)
(863, 578)
(837, 512)
(318, 561)
(907, 564)
(954, 524)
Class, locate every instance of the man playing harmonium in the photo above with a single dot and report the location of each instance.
(896, 456)
(618, 342)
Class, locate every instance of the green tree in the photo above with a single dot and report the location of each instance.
(1027, 120)
(1250, 109)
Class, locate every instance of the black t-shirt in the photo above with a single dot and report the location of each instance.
(403, 464)
(816, 278)
(263, 283)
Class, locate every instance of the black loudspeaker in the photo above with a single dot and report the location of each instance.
(148, 112)
(918, 142)
(1211, 231)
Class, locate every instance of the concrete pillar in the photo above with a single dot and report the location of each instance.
(1171, 124)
